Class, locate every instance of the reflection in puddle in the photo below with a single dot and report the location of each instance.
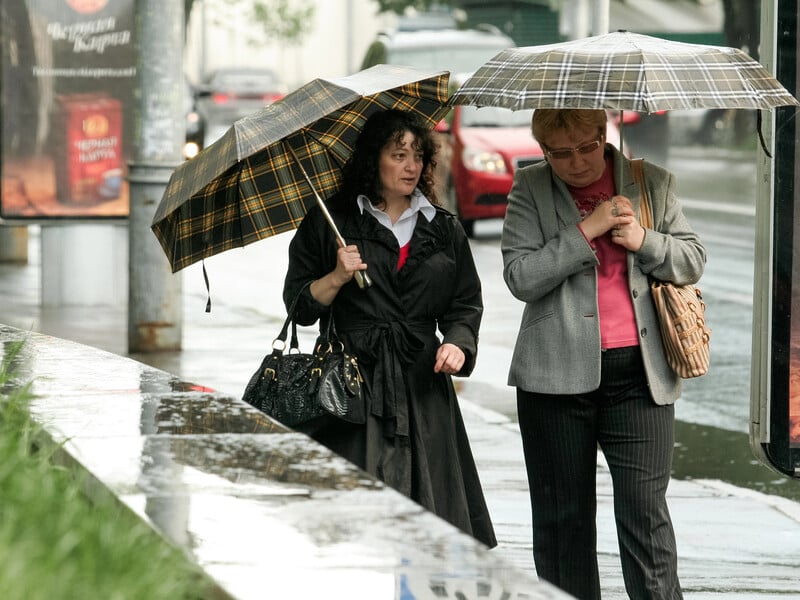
(197, 413)
(285, 458)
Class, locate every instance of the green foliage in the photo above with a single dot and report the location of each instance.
(55, 542)
(283, 21)
(279, 21)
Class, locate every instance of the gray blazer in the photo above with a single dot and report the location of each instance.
(549, 265)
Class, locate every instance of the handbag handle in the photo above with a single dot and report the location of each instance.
(279, 343)
(328, 337)
(645, 212)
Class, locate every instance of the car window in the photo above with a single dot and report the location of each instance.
(490, 116)
(236, 80)
(453, 59)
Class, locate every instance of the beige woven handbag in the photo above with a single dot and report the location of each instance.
(680, 309)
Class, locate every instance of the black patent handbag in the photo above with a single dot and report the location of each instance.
(303, 390)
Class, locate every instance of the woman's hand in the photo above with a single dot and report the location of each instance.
(627, 231)
(449, 359)
(615, 216)
(348, 261)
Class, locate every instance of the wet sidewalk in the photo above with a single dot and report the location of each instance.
(732, 542)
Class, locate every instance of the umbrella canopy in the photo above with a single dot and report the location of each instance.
(261, 177)
(623, 71)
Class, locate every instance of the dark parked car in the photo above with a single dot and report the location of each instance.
(229, 94)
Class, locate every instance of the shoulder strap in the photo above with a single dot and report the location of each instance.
(645, 212)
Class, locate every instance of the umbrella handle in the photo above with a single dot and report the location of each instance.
(362, 279)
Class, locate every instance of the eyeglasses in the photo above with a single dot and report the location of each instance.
(563, 153)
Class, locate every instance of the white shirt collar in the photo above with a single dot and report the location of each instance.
(419, 203)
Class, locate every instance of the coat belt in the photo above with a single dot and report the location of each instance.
(391, 347)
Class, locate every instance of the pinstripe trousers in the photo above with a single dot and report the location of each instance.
(560, 437)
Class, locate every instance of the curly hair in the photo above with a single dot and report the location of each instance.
(361, 173)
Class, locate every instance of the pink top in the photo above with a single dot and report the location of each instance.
(617, 319)
(401, 260)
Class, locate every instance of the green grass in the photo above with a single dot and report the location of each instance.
(56, 543)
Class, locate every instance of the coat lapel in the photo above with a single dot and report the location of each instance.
(428, 239)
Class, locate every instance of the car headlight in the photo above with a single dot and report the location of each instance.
(190, 150)
(485, 161)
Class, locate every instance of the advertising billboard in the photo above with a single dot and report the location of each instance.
(775, 381)
(68, 83)
(794, 346)
(786, 258)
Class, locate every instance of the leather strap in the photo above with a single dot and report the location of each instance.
(645, 212)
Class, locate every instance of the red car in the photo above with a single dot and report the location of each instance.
(487, 145)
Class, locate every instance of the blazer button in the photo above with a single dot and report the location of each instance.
(635, 293)
(643, 332)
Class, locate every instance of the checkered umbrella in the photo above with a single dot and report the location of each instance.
(261, 177)
(623, 71)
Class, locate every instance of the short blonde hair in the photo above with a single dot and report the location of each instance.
(547, 120)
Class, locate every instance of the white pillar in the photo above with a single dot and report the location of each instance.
(580, 21)
(84, 265)
(600, 10)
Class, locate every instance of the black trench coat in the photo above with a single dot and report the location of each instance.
(414, 439)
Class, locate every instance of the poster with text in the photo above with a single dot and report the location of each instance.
(794, 321)
(68, 82)
(794, 370)
(794, 271)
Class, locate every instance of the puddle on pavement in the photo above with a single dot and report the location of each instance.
(705, 452)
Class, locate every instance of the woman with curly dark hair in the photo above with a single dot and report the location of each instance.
(424, 280)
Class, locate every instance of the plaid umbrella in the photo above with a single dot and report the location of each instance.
(261, 177)
(623, 71)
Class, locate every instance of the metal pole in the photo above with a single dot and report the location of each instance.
(155, 311)
(14, 244)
